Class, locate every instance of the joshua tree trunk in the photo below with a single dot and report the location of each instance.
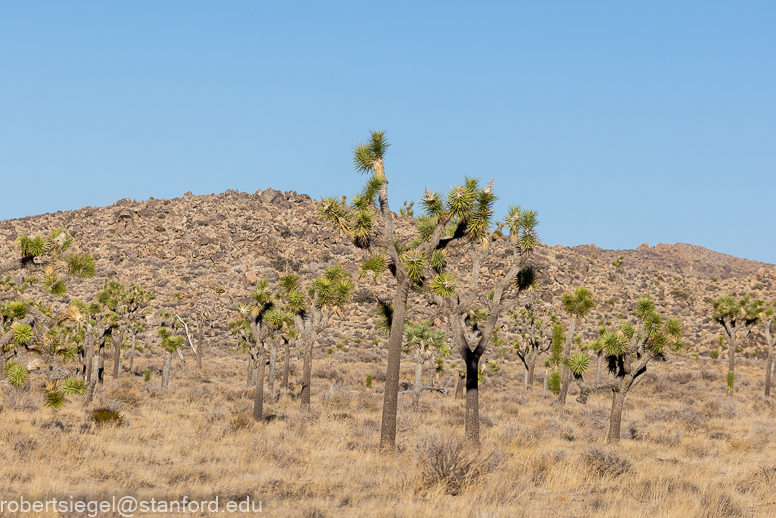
(546, 375)
(564, 388)
(418, 380)
(258, 395)
(166, 370)
(391, 397)
(615, 420)
(251, 363)
(89, 349)
(273, 354)
(306, 375)
(200, 344)
(93, 380)
(117, 341)
(769, 363)
(472, 398)
(286, 364)
(132, 356)
(459, 387)
(101, 366)
(532, 370)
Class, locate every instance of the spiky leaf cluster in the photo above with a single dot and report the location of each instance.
(444, 285)
(22, 333)
(744, 310)
(578, 363)
(32, 246)
(365, 156)
(170, 342)
(423, 337)
(15, 373)
(74, 387)
(579, 304)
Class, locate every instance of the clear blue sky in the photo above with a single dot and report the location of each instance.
(619, 122)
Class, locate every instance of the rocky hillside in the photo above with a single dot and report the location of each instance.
(209, 250)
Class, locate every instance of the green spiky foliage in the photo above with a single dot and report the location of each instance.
(366, 156)
(170, 341)
(81, 265)
(579, 304)
(22, 333)
(74, 387)
(553, 382)
(423, 338)
(556, 349)
(32, 247)
(578, 363)
(15, 373)
(54, 397)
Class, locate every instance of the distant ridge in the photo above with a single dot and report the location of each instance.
(683, 258)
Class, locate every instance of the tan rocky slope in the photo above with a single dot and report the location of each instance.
(210, 249)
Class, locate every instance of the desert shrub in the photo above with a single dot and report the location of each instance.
(147, 375)
(605, 463)
(328, 373)
(240, 421)
(280, 264)
(553, 382)
(448, 465)
(125, 394)
(680, 377)
(709, 375)
(716, 502)
(759, 480)
(364, 296)
(105, 416)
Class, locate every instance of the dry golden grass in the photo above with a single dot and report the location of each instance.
(687, 448)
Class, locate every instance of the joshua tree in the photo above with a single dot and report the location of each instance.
(473, 327)
(535, 336)
(135, 329)
(628, 352)
(126, 304)
(313, 311)
(171, 343)
(577, 306)
(406, 263)
(769, 341)
(47, 254)
(737, 318)
(423, 340)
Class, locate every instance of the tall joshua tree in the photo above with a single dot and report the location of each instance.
(422, 340)
(406, 263)
(769, 342)
(535, 336)
(737, 318)
(577, 306)
(628, 352)
(313, 312)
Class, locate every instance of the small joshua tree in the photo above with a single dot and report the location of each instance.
(769, 342)
(473, 327)
(260, 333)
(577, 306)
(313, 312)
(170, 343)
(629, 350)
(737, 318)
(422, 340)
(534, 336)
